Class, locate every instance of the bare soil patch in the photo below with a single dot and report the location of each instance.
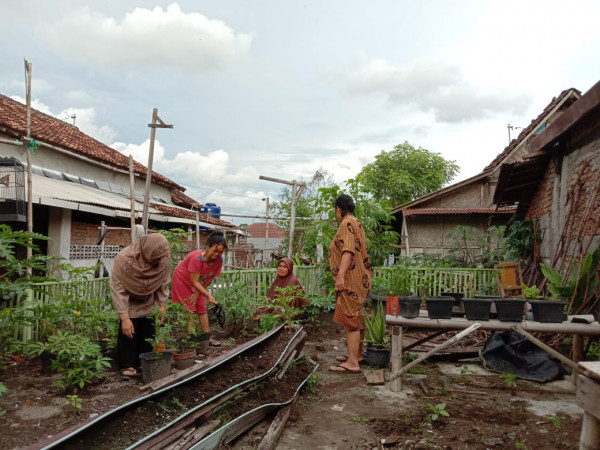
(344, 412)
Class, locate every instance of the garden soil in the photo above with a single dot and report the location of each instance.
(343, 412)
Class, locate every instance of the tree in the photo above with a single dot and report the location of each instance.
(406, 173)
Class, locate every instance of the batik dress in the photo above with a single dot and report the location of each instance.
(350, 237)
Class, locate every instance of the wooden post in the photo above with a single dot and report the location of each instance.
(197, 230)
(296, 192)
(29, 250)
(577, 348)
(588, 392)
(396, 358)
(266, 232)
(153, 126)
(132, 198)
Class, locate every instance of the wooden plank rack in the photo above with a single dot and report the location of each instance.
(575, 326)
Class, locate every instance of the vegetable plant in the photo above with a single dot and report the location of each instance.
(437, 411)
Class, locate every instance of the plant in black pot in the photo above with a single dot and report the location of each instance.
(157, 363)
(400, 289)
(549, 310)
(380, 287)
(377, 352)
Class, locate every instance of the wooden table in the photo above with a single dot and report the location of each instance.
(456, 323)
(588, 397)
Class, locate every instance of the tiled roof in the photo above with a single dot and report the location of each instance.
(535, 123)
(48, 129)
(189, 214)
(179, 198)
(432, 211)
(258, 230)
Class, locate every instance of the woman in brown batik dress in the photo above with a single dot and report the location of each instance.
(351, 271)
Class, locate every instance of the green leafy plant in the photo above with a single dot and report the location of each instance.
(555, 420)
(521, 445)
(401, 280)
(437, 411)
(177, 238)
(466, 371)
(3, 390)
(375, 328)
(509, 380)
(532, 292)
(311, 383)
(238, 303)
(283, 308)
(73, 401)
(358, 419)
(78, 360)
(581, 282)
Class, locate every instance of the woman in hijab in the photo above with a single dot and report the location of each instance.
(285, 277)
(139, 281)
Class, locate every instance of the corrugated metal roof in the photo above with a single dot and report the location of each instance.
(433, 211)
(44, 187)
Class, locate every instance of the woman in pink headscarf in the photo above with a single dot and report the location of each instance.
(285, 278)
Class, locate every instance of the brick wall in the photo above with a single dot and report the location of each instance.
(542, 200)
(88, 233)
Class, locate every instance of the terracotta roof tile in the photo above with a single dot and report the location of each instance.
(48, 129)
(189, 214)
(535, 123)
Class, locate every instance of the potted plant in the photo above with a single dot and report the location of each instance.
(157, 363)
(400, 295)
(377, 352)
(181, 337)
(548, 310)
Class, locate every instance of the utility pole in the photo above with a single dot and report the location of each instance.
(266, 231)
(132, 198)
(29, 251)
(297, 189)
(153, 126)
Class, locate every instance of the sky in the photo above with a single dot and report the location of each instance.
(285, 88)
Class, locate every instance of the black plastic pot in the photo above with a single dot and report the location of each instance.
(409, 306)
(378, 295)
(493, 313)
(477, 308)
(547, 311)
(510, 309)
(377, 356)
(439, 307)
(458, 308)
(156, 365)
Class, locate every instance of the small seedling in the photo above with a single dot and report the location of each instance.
(358, 419)
(555, 420)
(466, 371)
(311, 383)
(509, 379)
(74, 401)
(520, 445)
(437, 411)
(178, 403)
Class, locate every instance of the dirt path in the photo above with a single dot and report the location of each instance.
(344, 412)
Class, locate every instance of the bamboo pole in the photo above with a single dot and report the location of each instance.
(132, 197)
(29, 250)
(436, 349)
(544, 346)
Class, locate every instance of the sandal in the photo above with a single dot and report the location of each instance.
(343, 369)
(214, 343)
(129, 372)
(344, 358)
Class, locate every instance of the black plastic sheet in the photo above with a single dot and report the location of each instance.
(509, 352)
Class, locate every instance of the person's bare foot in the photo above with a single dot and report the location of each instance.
(344, 369)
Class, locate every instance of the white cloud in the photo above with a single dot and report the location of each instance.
(77, 96)
(146, 38)
(35, 104)
(440, 89)
(38, 86)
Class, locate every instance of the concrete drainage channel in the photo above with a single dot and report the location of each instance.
(177, 416)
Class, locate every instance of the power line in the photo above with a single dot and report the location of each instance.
(223, 192)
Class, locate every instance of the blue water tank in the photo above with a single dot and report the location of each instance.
(212, 209)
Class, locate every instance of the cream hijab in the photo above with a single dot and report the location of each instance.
(144, 266)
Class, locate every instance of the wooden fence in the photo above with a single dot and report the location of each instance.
(94, 295)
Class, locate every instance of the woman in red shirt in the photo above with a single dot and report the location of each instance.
(193, 275)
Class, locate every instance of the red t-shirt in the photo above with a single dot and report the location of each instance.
(194, 262)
